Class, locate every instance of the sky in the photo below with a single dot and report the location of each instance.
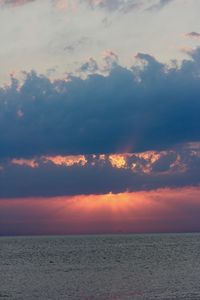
(99, 116)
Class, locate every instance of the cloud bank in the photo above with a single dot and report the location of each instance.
(152, 107)
(99, 174)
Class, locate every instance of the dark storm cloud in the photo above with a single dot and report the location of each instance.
(128, 110)
(177, 168)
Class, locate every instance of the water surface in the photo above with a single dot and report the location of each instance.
(106, 267)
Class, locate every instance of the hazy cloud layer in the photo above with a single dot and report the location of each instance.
(110, 5)
(15, 2)
(159, 5)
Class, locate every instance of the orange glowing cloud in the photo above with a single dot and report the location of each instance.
(118, 161)
(142, 162)
(25, 162)
(68, 161)
(163, 210)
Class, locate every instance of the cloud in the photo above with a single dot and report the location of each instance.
(193, 34)
(115, 5)
(77, 45)
(111, 59)
(15, 2)
(159, 5)
(90, 66)
(126, 6)
(151, 107)
(50, 176)
(123, 6)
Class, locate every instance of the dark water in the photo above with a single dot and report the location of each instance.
(100, 267)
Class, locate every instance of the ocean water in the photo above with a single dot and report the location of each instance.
(104, 267)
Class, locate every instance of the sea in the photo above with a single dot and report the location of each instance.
(100, 267)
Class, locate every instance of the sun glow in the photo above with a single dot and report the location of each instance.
(66, 160)
(145, 211)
